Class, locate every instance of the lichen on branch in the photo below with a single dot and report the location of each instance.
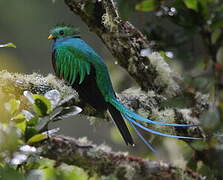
(108, 164)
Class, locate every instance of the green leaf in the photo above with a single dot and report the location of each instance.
(22, 126)
(37, 138)
(8, 45)
(42, 106)
(33, 121)
(146, 5)
(191, 4)
(19, 118)
(30, 132)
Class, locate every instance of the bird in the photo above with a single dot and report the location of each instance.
(85, 70)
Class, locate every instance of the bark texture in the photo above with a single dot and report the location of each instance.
(126, 43)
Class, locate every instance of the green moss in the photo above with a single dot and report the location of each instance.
(14, 84)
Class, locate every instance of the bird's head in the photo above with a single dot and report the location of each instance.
(63, 31)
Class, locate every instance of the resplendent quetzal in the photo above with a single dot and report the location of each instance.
(77, 63)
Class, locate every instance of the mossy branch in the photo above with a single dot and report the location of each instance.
(104, 162)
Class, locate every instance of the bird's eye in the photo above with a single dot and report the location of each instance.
(61, 32)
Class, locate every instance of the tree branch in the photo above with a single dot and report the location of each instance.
(132, 51)
(127, 44)
(100, 160)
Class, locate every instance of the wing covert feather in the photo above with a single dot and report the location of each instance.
(70, 63)
(80, 65)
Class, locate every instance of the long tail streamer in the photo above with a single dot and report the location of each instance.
(148, 144)
(135, 116)
(135, 119)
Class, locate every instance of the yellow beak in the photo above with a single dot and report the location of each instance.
(50, 36)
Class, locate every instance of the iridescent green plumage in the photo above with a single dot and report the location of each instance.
(70, 64)
(78, 64)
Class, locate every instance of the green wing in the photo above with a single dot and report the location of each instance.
(71, 62)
